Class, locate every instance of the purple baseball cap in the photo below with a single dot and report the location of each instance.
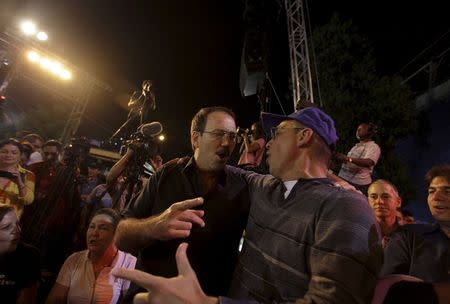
(314, 118)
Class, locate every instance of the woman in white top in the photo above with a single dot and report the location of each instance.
(85, 276)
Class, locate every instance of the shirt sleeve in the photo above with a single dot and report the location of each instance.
(65, 274)
(372, 152)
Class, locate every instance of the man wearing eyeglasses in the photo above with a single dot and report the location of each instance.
(306, 240)
(212, 225)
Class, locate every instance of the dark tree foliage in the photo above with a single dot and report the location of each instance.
(352, 92)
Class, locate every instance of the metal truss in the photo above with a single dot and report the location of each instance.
(299, 56)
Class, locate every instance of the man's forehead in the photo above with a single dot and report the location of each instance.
(382, 188)
(220, 118)
(289, 123)
(439, 181)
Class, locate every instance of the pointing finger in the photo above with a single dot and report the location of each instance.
(188, 204)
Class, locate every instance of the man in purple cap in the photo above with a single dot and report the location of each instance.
(306, 240)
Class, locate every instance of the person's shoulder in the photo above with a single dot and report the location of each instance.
(176, 163)
(345, 202)
(419, 229)
(233, 172)
(77, 256)
(372, 144)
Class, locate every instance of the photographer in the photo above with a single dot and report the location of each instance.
(252, 148)
(142, 153)
(16, 183)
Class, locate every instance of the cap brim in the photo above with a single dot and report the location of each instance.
(269, 120)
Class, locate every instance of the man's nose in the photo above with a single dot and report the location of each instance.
(441, 195)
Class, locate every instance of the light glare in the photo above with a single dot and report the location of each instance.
(65, 74)
(161, 137)
(45, 63)
(42, 36)
(28, 27)
(33, 56)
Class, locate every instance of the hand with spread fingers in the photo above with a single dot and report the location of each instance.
(177, 220)
(183, 288)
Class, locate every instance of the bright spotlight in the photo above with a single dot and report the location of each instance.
(161, 137)
(65, 74)
(45, 63)
(28, 27)
(56, 68)
(33, 56)
(42, 36)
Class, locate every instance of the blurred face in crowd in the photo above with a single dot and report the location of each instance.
(213, 147)
(51, 153)
(362, 132)
(9, 232)
(37, 145)
(439, 198)
(282, 149)
(384, 200)
(100, 234)
(156, 162)
(93, 172)
(404, 219)
(9, 155)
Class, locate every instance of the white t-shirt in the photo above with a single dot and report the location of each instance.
(289, 185)
(356, 174)
(77, 273)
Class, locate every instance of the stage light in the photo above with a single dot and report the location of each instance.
(28, 28)
(56, 67)
(42, 36)
(161, 137)
(33, 56)
(65, 75)
(45, 63)
(49, 64)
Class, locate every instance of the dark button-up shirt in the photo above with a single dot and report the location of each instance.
(213, 249)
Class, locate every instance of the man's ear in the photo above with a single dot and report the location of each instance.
(305, 137)
(194, 139)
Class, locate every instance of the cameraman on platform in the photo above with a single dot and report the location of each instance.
(252, 148)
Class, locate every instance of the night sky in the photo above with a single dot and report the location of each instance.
(191, 50)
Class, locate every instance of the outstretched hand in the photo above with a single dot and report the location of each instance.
(183, 288)
(178, 219)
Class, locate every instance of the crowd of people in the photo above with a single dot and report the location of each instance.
(309, 235)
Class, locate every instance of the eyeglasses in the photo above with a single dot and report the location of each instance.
(275, 131)
(220, 134)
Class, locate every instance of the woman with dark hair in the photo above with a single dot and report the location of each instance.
(85, 276)
(19, 262)
(16, 183)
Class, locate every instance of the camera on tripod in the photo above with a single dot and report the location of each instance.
(143, 141)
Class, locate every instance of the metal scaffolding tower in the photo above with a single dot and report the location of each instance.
(299, 55)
